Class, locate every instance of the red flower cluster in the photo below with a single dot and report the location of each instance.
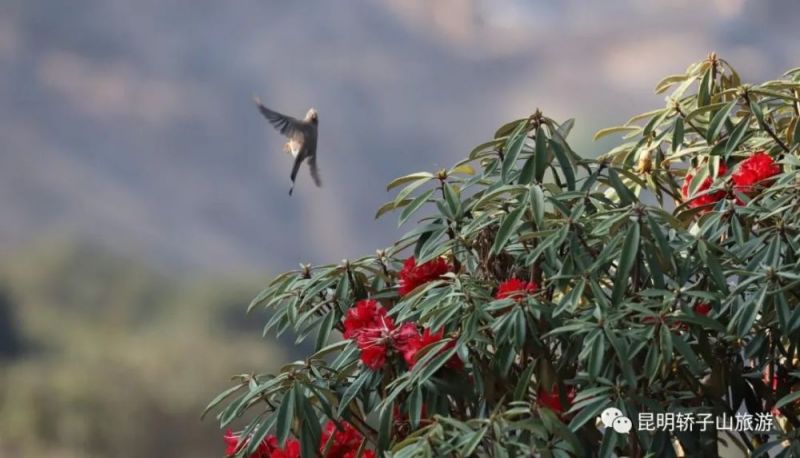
(268, 448)
(373, 331)
(344, 439)
(515, 289)
(292, 450)
(706, 199)
(552, 400)
(415, 345)
(377, 336)
(702, 309)
(413, 275)
(754, 171)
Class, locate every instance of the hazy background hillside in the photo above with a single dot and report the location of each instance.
(143, 201)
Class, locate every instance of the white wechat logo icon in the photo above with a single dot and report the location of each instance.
(613, 418)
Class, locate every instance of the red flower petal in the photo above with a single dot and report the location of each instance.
(291, 450)
(365, 314)
(703, 309)
(345, 440)
(412, 347)
(413, 275)
(373, 343)
(515, 289)
(552, 400)
(231, 441)
(706, 199)
(753, 172)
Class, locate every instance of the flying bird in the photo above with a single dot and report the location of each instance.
(302, 135)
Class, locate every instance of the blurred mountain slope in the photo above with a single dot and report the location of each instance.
(120, 358)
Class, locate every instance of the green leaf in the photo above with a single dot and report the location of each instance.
(597, 357)
(385, 427)
(258, 435)
(352, 391)
(630, 248)
(521, 390)
(736, 136)
(677, 134)
(718, 121)
(796, 134)
(423, 176)
(704, 92)
(220, 397)
(453, 199)
(589, 412)
(507, 227)
(464, 169)
(537, 205)
(389, 206)
(565, 128)
(473, 442)
(749, 312)
(566, 165)
(283, 424)
(626, 197)
(615, 130)
(324, 331)
(526, 174)
(512, 149)
(415, 205)
(787, 399)
(668, 81)
(755, 108)
(489, 146)
(540, 155)
(665, 340)
(688, 355)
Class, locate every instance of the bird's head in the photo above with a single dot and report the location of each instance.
(311, 116)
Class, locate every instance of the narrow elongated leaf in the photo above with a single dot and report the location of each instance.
(408, 178)
(537, 205)
(787, 399)
(540, 155)
(352, 391)
(220, 397)
(283, 423)
(677, 134)
(511, 152)
(626, 197)
(464, 169)
(615, 130)
(324, 331)
(796, 134)
(507, 227)
(718, 121)
(627, 257)
(755, 108)
(749, 312)
(256, 437)
(415, 205)
(668, 81)
(453, 199)
(704, 92)
(736, 136)
(589, 412)
(566, 165)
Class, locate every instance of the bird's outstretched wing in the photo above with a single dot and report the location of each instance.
(286, 125)
(312, 165)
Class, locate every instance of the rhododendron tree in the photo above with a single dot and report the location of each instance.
(537, 287)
